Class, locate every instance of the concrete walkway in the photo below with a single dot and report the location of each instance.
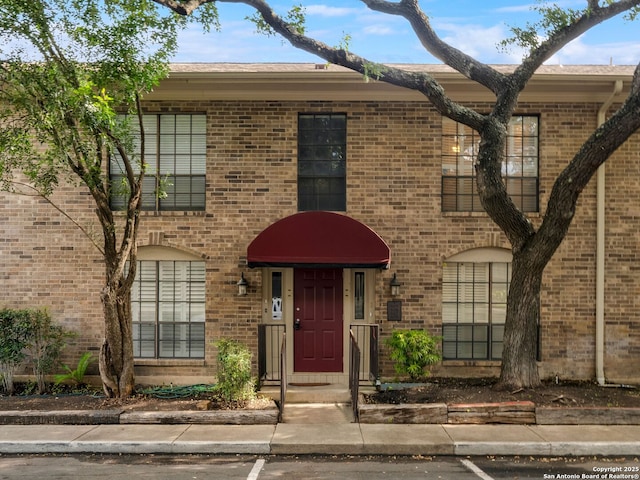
(324, 438)
(317, 413)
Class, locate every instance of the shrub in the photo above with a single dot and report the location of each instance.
(14, 339)
(46, 341)
(235, 383)
(413, 351)
(29, 333)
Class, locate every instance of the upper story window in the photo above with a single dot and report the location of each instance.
(322, 162)
(175, 152)
(519, 170)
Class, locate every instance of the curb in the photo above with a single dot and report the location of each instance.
(505, 413)
(60, 417)
(267, 416)
(368, 414)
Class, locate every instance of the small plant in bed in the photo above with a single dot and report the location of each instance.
(235, 384)
(77, 374)
(413, 351)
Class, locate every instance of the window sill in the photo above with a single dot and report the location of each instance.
(481, 214)
(165, 213)
(169, 362)
(471, 363)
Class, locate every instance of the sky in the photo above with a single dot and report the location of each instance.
(474, 26)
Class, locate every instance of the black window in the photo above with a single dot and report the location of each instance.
(322, 162)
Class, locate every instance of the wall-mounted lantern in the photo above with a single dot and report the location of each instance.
(395, 286)
(242, 286)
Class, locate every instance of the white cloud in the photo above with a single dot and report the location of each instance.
(529, 6)
(378, 30)
(515, 8)
(476, 40)
(580, 53)
(327, 11)
(237, 42)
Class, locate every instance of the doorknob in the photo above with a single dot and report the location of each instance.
(296, 324)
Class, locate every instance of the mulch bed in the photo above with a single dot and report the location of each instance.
(437, 390)
(145, 399)
(549, 394)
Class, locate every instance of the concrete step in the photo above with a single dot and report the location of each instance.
(301, 394)
(317, 413)
(318, 395)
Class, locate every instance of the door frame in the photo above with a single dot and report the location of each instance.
(347, 316)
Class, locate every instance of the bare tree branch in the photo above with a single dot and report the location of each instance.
(591, 17)
(635, 83)
(419, 81)
(186, 7)
(458, 60)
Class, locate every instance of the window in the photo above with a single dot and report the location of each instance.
(175, 152)
(168, 304)
(519, 170)
(358, 295)
(322, 162)
(474, 309)
(276, 295)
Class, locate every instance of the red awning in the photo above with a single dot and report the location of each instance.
(318, 239)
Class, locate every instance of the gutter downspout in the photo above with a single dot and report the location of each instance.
(600, 246)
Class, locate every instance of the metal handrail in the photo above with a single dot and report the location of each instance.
(269, 342)
(374, 368)
(367, 335)
(283, 375)
(262, 354)
(354, 373)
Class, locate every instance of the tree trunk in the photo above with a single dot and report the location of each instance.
(519, 357)
(116, 355)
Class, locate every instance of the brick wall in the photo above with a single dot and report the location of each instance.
(393, 185)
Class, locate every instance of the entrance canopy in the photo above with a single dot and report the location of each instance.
(318, 239)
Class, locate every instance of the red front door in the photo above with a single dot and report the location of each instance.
(317, 338)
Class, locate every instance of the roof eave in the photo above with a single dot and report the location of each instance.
(300, 82)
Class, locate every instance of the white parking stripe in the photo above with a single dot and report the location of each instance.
(471, 466)
(255, 471)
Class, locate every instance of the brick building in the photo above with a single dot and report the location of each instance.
(309, 183)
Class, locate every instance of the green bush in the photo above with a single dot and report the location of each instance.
(29, 334)
(14, 339)
(46, 341)
(413, 351)
(235, 383)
